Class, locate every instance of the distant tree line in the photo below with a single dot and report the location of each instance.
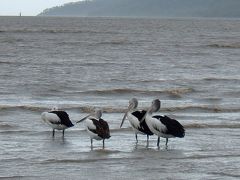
(148, 8)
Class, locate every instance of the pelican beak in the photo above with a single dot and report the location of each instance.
(83, 119)
(125, 115)
(143, 118)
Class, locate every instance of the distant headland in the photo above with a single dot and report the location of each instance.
(147, 8)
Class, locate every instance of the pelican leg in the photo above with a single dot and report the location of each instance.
(63, 132)
(53, 132)
(147, 140)
(158, 141)
(103, 143)
(91, 143)
(166, 141)
(136, 138)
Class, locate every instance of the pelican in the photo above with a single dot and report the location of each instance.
(57, 120)
(134, 116)
(162, 126)
(96, 127)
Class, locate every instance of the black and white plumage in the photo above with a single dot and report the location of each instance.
(163, 126)
(96, 127)
(57, 120)
(134, 116)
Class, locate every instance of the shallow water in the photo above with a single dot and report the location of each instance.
(202, 154)
(78, 64)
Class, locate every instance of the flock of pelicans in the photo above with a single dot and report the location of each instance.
(141, 121)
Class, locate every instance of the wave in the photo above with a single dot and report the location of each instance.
(233, 45)
(56, 161)
(19, 177)
(115, 42)
(222, 174)
(54, 31)
(201, 108)
(190, 108)
(112, 42)
(4, 126)
(217, 126)
(7, 62)
(2, 131)
(114, 130)
(192, 126)
(119, 109)
(220, 79)
(23, 107)
(83, 109)
(177, 92)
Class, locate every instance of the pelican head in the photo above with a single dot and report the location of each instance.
(155, 107)
(96, 114)
(54, 108)
(133, 104)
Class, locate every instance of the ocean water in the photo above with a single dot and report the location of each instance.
(78, 64)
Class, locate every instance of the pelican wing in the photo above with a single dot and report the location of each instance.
(158, 125)
(142, 126)
(99, 127)
(139, 114)
(172, 126)
(104, 131)
(64, 118)
(51, 118)
(91, 124)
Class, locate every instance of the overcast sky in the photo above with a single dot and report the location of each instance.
(28, 7)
